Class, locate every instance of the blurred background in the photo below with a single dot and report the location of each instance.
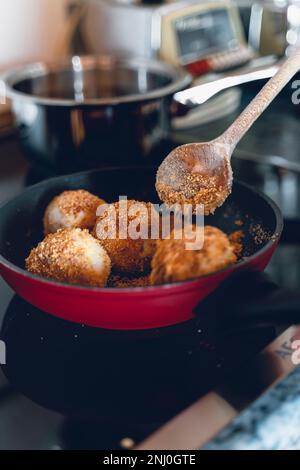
(30, 30)
(42, 29)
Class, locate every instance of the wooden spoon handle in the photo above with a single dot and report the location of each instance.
(258, 105)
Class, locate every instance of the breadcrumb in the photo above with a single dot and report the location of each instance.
(123, 282)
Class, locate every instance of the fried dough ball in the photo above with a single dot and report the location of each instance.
(127, 255)
(172, 262)
(72, 256)
(71, 209)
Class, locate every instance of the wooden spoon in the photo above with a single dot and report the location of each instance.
(200, 173)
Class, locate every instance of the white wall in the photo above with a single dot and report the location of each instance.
(30, 30)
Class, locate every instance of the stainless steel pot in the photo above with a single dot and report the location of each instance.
(89, 112)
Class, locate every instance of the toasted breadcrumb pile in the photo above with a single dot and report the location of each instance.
(183, 181)
(236, 240)
(259, 234)
(204, 195)
(72, 256)
(124, 282)
(71, 209)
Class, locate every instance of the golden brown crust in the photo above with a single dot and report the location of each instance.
(127, 256)
(173, 263)
(72, 256)
(71, 209)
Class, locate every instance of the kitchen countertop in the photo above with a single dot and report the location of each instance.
(273, 421)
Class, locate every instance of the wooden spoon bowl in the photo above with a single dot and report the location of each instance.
(196, 174)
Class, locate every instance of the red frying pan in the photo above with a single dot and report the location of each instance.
(131, 308)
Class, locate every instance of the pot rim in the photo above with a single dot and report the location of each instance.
(180, 79)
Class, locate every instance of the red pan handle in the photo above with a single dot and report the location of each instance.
(252, 299)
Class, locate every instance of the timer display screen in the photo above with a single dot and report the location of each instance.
(204, 34)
